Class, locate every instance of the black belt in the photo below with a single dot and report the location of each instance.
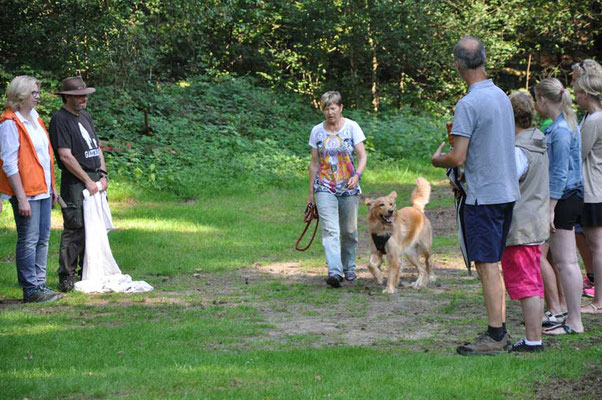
(99, 170)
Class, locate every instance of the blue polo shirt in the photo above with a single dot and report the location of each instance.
(485, 116)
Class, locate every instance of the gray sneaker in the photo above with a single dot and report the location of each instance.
(37, 295)
(350, 276)
(484, 345)
(52, 292)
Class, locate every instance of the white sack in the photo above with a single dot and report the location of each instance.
(100, 271)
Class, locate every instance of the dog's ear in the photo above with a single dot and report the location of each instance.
(368, 201)
(393, 195)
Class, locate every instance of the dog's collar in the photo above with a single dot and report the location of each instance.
(380, 241)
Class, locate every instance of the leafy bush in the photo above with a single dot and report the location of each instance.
(220, 133)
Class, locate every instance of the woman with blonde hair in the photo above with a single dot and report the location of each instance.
(588, 94)
(587, 66)
(27, 179)
(566, 195)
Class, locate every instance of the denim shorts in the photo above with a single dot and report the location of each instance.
(486, 228)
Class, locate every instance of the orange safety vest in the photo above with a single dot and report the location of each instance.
(30, 168)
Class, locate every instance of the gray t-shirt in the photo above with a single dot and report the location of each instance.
(485, 116)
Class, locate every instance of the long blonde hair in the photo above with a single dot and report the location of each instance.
(552, 90)
(590, 84)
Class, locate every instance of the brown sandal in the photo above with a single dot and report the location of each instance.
(591, 309)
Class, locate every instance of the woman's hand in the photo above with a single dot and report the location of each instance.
(55, 197)
(552, 226)
(553, 203)
(24, 208)
(353, 181)
(310, 199)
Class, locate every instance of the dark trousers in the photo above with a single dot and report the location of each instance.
(73, 239)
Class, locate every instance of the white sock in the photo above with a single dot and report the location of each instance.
(532, 342)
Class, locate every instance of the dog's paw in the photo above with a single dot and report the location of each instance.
(389, 290)
(418, 285)
(380, 280)
(432, 278)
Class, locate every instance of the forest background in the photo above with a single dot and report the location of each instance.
(163, 67)
(204, 110)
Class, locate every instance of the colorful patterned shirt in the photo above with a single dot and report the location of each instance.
(336, 153)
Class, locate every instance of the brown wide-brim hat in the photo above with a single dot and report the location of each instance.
(75, 86)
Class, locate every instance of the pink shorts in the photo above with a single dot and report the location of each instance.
(522, 271)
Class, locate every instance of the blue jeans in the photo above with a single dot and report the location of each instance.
(33, 234)
(338, 215)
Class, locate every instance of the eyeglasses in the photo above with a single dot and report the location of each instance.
(35, 93)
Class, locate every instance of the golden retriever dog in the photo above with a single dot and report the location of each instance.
(399, 234)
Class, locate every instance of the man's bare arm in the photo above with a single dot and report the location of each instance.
(455, 157)
(73, 166)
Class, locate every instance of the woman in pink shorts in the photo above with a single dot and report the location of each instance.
(521, 261)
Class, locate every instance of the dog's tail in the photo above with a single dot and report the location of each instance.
(421, 193)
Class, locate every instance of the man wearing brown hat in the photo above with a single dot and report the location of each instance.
(81, 161)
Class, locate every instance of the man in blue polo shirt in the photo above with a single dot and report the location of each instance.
(483, 132)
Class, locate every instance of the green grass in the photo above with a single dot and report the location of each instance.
(205, 209)
(185, 340)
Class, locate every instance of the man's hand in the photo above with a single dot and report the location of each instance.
(552, 226)
(91, 186)
(55, 197)
(24, 208)
(105, 184)
(438, 153)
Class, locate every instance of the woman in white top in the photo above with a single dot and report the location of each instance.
(27, 179)
(338, 159)
(588, 94)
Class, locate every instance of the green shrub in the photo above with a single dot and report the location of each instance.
(215, 134)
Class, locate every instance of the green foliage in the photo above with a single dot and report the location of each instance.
(204, 135)
(213, 134)
(381, 54)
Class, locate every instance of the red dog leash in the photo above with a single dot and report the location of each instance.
(311, 213)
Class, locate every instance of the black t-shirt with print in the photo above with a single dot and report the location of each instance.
(75, 132)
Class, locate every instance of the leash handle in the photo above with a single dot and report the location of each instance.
(311, 213)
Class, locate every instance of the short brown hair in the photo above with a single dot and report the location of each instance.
(329, 98)
(524, 110)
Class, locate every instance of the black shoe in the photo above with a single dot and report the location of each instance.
(66, 283)
(334, 281)
(38, 295)
(523, 347)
